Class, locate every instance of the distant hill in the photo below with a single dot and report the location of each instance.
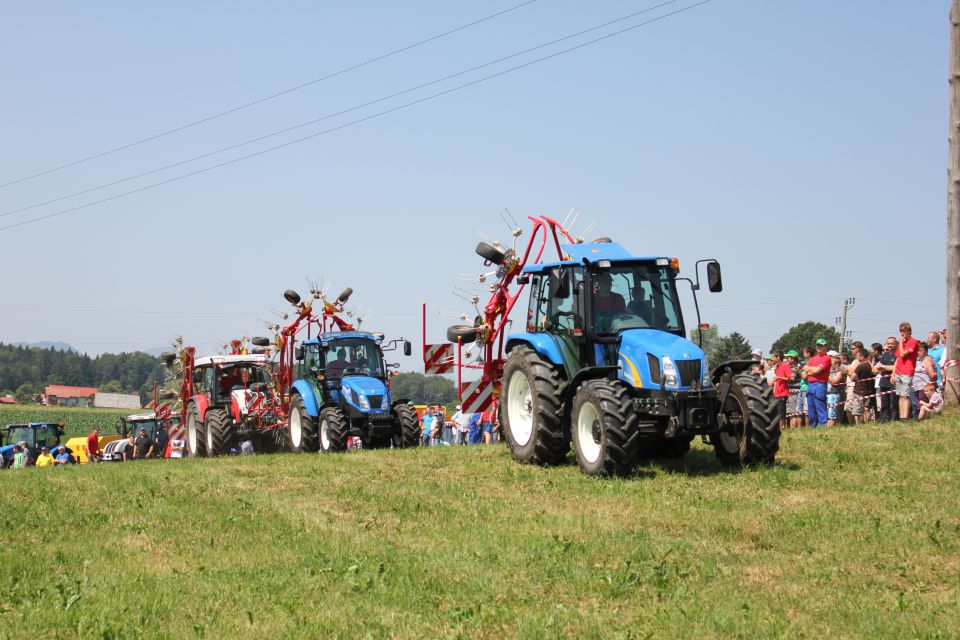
(58, 346)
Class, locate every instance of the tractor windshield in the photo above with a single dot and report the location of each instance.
(241, 376)
(635, 296)
(20, 434)
(346, 356)
(35, 437)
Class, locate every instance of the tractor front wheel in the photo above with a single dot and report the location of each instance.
(333, 430)
(603, 429)
(196, 437)
(531, 408)
(407, 425)
(749, 424)
(217, 426)
(301, 431)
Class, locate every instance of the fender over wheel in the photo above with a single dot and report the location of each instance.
(531, 408)
(603, 429)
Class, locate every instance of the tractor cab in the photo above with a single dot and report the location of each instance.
(218, 377)
(349, 365)
(35, 434)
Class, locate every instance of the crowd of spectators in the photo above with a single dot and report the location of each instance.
(900, 379)
(460, 429)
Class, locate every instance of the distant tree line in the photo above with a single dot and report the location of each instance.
(27, 370)
(424, 389)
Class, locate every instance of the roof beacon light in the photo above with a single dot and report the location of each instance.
(675, 263)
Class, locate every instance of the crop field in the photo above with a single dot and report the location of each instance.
(855, 532)
(78, 421)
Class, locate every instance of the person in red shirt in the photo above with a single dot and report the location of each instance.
(782, 375)
(606, 303)
(817, 372)
(93, 445)
(904, 368)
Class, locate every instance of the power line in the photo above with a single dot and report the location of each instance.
(337, 113)
(909, 304)
(266, 98)
(359, 120)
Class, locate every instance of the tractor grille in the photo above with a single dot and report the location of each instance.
(374, 401)
(689, 372)
(654, 363)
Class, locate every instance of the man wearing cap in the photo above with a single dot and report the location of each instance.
(817, 372)
(143, 446)
(835, 386)
(44, 459)
(93, 445)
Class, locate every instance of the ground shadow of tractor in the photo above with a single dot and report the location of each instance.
(697, 462)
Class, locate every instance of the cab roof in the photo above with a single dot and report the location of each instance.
(33, 424)
(592, 252)
(333, 336)
(256, 358)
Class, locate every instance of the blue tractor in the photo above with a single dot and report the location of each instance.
(35, 434)
(341, 391)
(604, 363)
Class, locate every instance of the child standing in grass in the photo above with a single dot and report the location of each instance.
(935, 402)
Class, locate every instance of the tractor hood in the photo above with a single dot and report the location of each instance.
(642, 353)
(364, 387)
(6, 451)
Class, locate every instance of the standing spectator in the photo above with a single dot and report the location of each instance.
(441, 430)
(486, 422)
(803, 407)
(426, 427)
(783, 375)
(461, 426)
(935, 351)
(771, 370)
(855, 348)
(44, 459)
(63, 456)
(885, 366)
(177, 446)
(19, 456)
(795, 417)
(128, 450)
(143, 446)
(863, 378)
(816, 372)
(934, 404)
(924, 374)
(835, 386)
(757, 356)
(93, 445)
(904, 367)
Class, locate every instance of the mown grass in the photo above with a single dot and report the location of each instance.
(854, 533)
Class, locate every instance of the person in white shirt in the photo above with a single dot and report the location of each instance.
(461, 421)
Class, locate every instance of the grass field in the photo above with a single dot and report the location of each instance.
(854, 533)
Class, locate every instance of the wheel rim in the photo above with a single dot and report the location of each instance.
(520, 408)
(192, 433)
(296, 431)
(209, 441)
(588, 432)
(731, 437)
(325, 435)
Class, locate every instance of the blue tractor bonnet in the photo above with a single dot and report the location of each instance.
(636, 344)
(365, 385)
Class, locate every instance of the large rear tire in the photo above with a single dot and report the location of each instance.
(532, 390)
(406, 422)
(603, 429)
(217, 426)
(333, 430)
(749, 425)
(196, 435)
(301, 431)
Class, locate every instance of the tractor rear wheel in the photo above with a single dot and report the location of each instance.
(333, 430)
(603, 429)
(301, 430)
(405, 421)
(217, 426)
(749, 424)
(196, 436)
(531, 408)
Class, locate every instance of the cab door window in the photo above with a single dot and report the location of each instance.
(537, 310)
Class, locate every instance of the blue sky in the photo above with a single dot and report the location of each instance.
(801, 144)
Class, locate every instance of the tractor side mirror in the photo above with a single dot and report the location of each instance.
(197, 376)
(559, 284)
(298, 353)
(407, 348)
(714, 279)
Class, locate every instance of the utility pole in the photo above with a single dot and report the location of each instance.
(952, 372)
(842, 319)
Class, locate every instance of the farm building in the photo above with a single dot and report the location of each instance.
(117, 400)
(62, 396)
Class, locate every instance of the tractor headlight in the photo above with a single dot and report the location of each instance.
(385, 404)
(669, 373)
(364, 403)
(706, 373)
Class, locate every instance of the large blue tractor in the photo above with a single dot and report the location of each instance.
(604, 363)
(341, 391)
(35, 434)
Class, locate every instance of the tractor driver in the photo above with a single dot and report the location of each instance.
(231, 378)
(639, 305)
(606, 303)
(335, 368)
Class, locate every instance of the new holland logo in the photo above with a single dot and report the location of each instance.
(687, 356)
